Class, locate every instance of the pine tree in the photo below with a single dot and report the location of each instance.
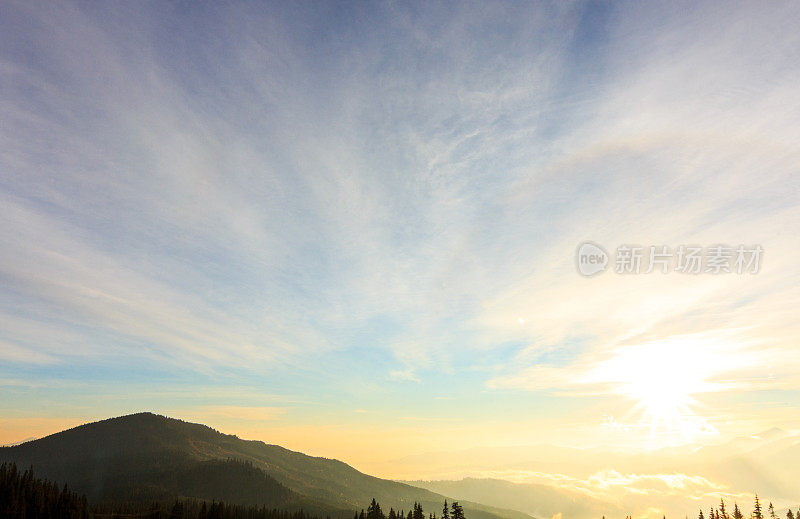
(722, 510)
(446, 511)
(374, 510)
(701, 515)
(457, 511)
(177, 510)
(789, 514)
(737, 513)
(757, 510)
(772, 511)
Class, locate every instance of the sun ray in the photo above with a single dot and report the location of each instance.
(663, 379)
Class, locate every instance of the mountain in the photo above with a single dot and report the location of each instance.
(533, 499)
(19, 442)
(146, 456)
(672, 480)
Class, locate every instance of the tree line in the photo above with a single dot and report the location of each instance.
(23, 496)
(723, 513)
(374, 511)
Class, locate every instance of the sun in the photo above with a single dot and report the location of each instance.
(662, 378)
(662, 387)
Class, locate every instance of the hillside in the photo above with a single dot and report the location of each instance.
(537, 500)
(143, 456)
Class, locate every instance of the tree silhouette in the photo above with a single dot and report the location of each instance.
(374, 510)
(757, 510)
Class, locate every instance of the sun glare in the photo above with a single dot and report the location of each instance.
(662, 378)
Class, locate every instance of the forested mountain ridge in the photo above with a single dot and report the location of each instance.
(146, 456)
(25, 496)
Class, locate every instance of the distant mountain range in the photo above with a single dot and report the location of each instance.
(145, 457)
(548, 480)
(534, 499)
(19, 442)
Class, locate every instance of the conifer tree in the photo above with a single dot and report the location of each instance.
(374, 510)
(177, 510)
(446, 511)
(457, 511)
(757, 510)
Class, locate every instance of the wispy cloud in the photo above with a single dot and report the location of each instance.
(351, 214)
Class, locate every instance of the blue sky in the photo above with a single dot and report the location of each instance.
(361, 217)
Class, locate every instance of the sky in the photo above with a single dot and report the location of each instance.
(350, 228)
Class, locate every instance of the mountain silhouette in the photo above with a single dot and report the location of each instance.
(145, 457)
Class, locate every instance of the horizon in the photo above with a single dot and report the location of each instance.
(579, 489)
(718, 442)
(713, 442)
(381, 231)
